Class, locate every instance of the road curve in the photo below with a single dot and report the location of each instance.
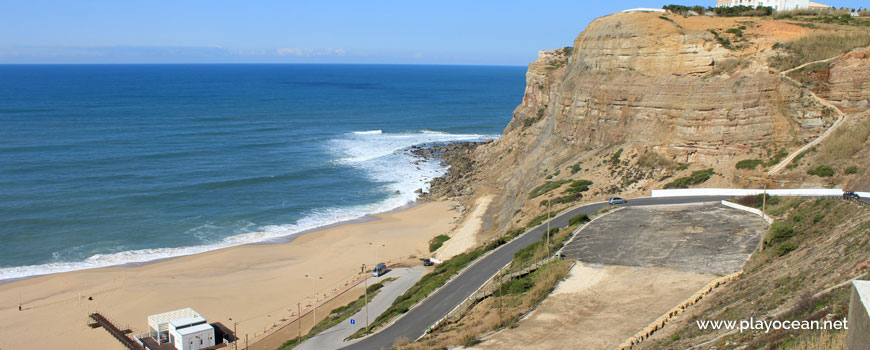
(414, 323)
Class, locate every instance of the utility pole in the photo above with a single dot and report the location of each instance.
(314, 293)
(548, 226)
(246, 341)
(299, 319)
(367, 303)
(236, 334)
(500, 295)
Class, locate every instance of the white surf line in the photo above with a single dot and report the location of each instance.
(841, 118)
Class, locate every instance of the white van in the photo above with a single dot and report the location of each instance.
(379, 270)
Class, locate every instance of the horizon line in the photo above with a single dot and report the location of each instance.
(255, 63)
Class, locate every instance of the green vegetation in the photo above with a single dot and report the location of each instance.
(578, 219)
(579, 186)
(335, 317)
(736, 31)
(779, 232)
(748, 164)
(437, 242)
(547, 187)
(758, 201)
(575, 168)
(816, 48)
(429, 283)
(697, 177)
(614, 159)
(743, 11)
(725, 42)
(778, 157)
(851, 170)
(821, 171)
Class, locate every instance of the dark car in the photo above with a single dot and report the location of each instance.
(851, 195)
(617, 200)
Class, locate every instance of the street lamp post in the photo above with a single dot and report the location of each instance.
(367, 303)
(235, 333)
(548, 227)
(377, 248)
(314, 293)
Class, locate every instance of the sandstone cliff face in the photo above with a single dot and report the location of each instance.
(848, 85)
(645, 84)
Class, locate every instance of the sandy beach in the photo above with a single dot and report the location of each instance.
(255, 285)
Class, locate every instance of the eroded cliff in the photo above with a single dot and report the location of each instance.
(642, 100)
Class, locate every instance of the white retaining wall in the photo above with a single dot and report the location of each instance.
(689, 192)
(864, 194)
(751, 210)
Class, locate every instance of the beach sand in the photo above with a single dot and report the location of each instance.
(257, 285)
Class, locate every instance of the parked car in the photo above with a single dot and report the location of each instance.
(851, 195)
(379, 270)
(617, 200)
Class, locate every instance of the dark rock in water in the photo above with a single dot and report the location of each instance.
(457, 182)
(398, 192)
(419, 191)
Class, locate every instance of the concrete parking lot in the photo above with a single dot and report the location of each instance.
(708, 238)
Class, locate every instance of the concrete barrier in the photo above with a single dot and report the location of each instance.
(748, 209)
(864, 194)
(737, 192)
(858, 336)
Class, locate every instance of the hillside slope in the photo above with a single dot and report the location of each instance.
(643, 101)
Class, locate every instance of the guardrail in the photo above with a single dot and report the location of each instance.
(748, 209)
(737, 192)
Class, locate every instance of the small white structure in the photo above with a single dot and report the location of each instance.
(778, 5)
(191, 333)
(185, 329)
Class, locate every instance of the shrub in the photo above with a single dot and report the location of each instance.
(748, 164)
(786, 248)
(778, 157)
(852, 170)
(652, 159)
(615, 158)
(778, 233)
(578, 219)
(579, 186)
(697, 177)
(547, 187)
(575, 168)
(437, 242)
(821, 171)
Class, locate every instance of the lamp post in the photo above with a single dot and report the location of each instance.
(366, 301)
(377, 248)
(314, 293)
(235, 332)
(549, 200)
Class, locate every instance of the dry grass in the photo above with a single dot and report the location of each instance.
(844, 143)
(818, 47)
(823, 341)
(654, 160)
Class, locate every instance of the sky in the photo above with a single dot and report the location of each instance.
(503, 32)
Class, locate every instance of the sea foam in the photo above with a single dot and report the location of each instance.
(384, 158)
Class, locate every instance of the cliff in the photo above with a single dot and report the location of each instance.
(642, 100)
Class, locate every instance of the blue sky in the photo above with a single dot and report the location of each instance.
(376, 31)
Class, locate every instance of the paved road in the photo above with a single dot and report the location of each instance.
(333, 338)
(415, 322)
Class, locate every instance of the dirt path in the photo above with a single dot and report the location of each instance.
(840, 119)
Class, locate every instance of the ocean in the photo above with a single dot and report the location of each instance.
(105, 165)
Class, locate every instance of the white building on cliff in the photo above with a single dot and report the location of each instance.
(778, 5)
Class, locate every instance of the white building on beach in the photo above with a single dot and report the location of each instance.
(184, 329)
(778, 5)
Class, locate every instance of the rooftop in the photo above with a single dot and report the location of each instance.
(194, 329)
(162, 320)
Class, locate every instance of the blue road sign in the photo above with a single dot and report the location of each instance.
(352, 321)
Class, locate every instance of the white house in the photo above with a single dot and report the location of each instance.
(184, 329)
(191, 333)
(778, 5)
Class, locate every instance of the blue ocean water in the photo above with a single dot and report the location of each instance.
(110, 164)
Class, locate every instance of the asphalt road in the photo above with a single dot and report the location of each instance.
(333, 338)
(414, 323)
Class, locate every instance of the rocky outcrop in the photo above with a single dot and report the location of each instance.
(644, 83)
(457, 183)
(848, 85)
